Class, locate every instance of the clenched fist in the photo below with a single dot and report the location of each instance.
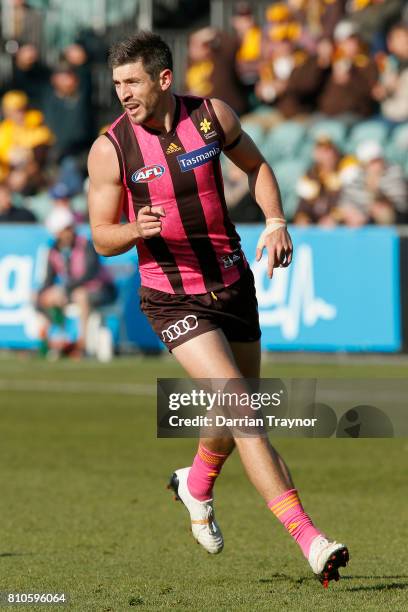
(148, 221)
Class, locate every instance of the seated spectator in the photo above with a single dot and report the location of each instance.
(30, 75)
(249, 36)
(10, 213)
(281, 24)
(61, 195)
(26, 26)
(319, 188)
(211, 68)
(378, 193)
(392, 88)
(76, 57)
(290, 79)
(318, 18)
(67, 113)
(347, 92)
(374, 17)
(74, 272)
(24, 139)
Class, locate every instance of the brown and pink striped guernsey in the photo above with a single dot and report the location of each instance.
(198, 249)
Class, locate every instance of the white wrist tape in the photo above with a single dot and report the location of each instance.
(272, 224)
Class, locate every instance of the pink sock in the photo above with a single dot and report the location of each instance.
(288, 509)
(205, 469)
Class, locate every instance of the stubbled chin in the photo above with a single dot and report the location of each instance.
(135, 117)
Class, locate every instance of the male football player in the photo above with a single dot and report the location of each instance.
(159, 165)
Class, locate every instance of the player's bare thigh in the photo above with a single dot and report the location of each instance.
(210, 355)
(247, 356)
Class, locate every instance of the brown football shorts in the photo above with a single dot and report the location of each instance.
(177, 318)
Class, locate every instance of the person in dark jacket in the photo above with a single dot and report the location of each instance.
(66, 111)
(290, 78)
(348, 90)
(211, 69)
(30, 75)
(10, 213)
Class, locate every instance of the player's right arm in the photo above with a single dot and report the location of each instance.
(105, 200)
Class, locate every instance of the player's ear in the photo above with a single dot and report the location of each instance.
(166, 79)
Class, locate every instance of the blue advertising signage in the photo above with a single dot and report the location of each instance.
(340, 293)
(23, 256)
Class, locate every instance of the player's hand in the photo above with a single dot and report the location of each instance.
(280, 250)
(148, 221)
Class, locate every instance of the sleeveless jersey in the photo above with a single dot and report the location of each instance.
(198, 250)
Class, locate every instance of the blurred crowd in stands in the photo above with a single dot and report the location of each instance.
(46, 129)
(321, 86)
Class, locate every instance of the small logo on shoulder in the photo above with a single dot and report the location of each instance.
(205, 125)
(148, 173)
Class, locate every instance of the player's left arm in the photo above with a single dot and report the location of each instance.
(242, 151)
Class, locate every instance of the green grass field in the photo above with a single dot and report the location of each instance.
(84, 508)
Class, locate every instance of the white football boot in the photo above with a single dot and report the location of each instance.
(326, 557)
(203, 524)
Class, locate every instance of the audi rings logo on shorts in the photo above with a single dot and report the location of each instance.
(179, 328)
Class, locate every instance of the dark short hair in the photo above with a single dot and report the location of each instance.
(63, 68)
(153, 52)
(399, 25)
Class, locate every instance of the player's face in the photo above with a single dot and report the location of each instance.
(138, 94)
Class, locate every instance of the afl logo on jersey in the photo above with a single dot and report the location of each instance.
(148, 173)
